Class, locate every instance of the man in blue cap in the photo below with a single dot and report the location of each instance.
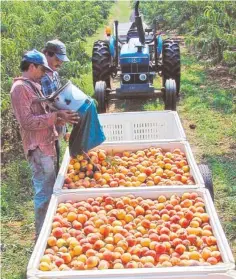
(55, 52)
(37, 128)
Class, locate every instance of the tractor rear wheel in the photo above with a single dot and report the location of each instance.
(100, 96)
(207, 178)
(170, 94)
(101, 60)
(171, 62)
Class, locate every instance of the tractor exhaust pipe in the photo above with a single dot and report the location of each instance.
(116, 32)
(139, 24)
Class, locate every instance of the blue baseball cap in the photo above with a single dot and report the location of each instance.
(58, 48)
(36, 57)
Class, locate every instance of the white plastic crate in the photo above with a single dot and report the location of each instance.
(138, 126)
(133, 146)
(194, 272)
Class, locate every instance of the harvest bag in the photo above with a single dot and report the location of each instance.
(88, 133)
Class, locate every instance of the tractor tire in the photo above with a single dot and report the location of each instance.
(101, 60)
(207, 178)
(170, 95)
(100, 96)
(171, 63)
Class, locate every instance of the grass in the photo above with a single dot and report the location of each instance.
(203, 103)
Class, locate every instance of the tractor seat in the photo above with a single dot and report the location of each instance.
(132, 33)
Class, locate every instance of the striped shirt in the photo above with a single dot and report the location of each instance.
(37, 126)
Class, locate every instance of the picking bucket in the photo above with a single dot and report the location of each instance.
(70, 97)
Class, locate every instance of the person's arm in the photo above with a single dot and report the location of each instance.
(21, 103)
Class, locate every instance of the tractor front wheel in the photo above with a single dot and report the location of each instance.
(170, 94)
(100, 96)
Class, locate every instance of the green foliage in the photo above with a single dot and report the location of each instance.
(209, 26)
(16, 183)
(30, 24)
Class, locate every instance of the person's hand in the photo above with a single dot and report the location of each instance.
(68, 116)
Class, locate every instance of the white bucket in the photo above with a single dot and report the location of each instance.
(69, 97)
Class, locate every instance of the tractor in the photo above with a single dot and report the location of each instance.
(135, 53)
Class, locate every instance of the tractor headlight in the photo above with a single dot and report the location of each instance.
(126, 77)
(143, 77)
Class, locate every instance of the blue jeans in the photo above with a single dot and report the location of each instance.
(43, 179)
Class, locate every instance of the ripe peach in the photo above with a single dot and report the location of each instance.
(118, 266)
(126, 257)
(79, 265)
(66, 257)
(57, 232)
(92, 261)
(77, 250)
(108, 255)
(212, 260)
(163, 258)
(123, 244)
(211, 240)
(82, 258)
(160, 248)
(44, 266)
(103, 265)
(98, 245)
(52, 241)
(216, 255)
(180, 249)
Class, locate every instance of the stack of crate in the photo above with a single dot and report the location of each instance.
(134, 131)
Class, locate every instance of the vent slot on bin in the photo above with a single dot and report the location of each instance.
(114, 132)
(149, 131)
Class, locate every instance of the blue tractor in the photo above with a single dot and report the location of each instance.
(135, 53)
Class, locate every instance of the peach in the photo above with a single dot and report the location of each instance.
(98, 245)
(211, 240)
(57, 232)
(163, 258)
(145, 242)
(92, 261)
(118, 266)
(216, 255)
(82, 218)
(79, 265)
(160, 248)
(126, 257)
(103, 265)
(212, 260)
(44, 266)
(108, 255)
(66, 257)
(52, 241)
(77, 225)
(77, 250)
(61, 242)
(180, 249)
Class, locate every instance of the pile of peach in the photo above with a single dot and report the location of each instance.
(130, 232)
(147, 167)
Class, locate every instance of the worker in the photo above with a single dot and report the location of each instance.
(55, 52)
(37, 128)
